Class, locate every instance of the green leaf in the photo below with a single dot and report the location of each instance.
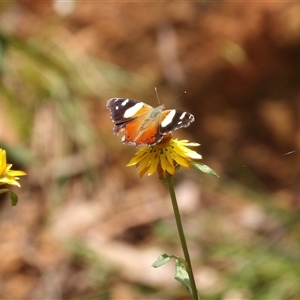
(204, 168)
(182, 276)
(13, 198)
(162, 260)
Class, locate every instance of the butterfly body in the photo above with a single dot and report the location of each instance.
(143, 124)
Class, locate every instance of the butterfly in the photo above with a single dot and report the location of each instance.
(144, 124)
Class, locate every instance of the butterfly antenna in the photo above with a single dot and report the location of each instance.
(176, 97)
(284, 154)
(180, 95)
(157, 96)
(170, 99)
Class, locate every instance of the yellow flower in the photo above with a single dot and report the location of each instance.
(168, 155)
(8, 176)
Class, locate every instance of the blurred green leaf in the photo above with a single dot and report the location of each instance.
(13, 196)
(3, 48)
(18, 154)
(182, 276)
(204, 168)
(162, 260)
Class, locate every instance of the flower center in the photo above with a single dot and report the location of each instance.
(165, 142)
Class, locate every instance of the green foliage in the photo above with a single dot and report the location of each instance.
(181, 274)
(162, 260)
(41, 70)
(12, 195)
(204, 168)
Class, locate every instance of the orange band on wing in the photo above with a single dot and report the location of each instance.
(146, 137)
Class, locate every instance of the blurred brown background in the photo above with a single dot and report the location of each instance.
(85, 226)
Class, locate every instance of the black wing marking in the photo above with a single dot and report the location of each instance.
(117, 108)
(174, 119)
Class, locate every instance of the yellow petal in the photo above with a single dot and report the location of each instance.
(153, 164)
(180, 160)
(2, 162)
(179, 151)
(14, 173)
(192, 144)
(142, 172)
(10, 181)
(194, 155)
(190, 153)
(144, 162)
(140, 155)
(167, 152)
(165, 164)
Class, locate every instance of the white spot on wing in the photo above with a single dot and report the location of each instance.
(125, 102)
(182, 116)
(130, 112)
(169, 118)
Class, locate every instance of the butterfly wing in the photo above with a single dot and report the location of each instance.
(174, 119)
(124, 111)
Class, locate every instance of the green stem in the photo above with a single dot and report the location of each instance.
(2, 191)
(169, 179)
